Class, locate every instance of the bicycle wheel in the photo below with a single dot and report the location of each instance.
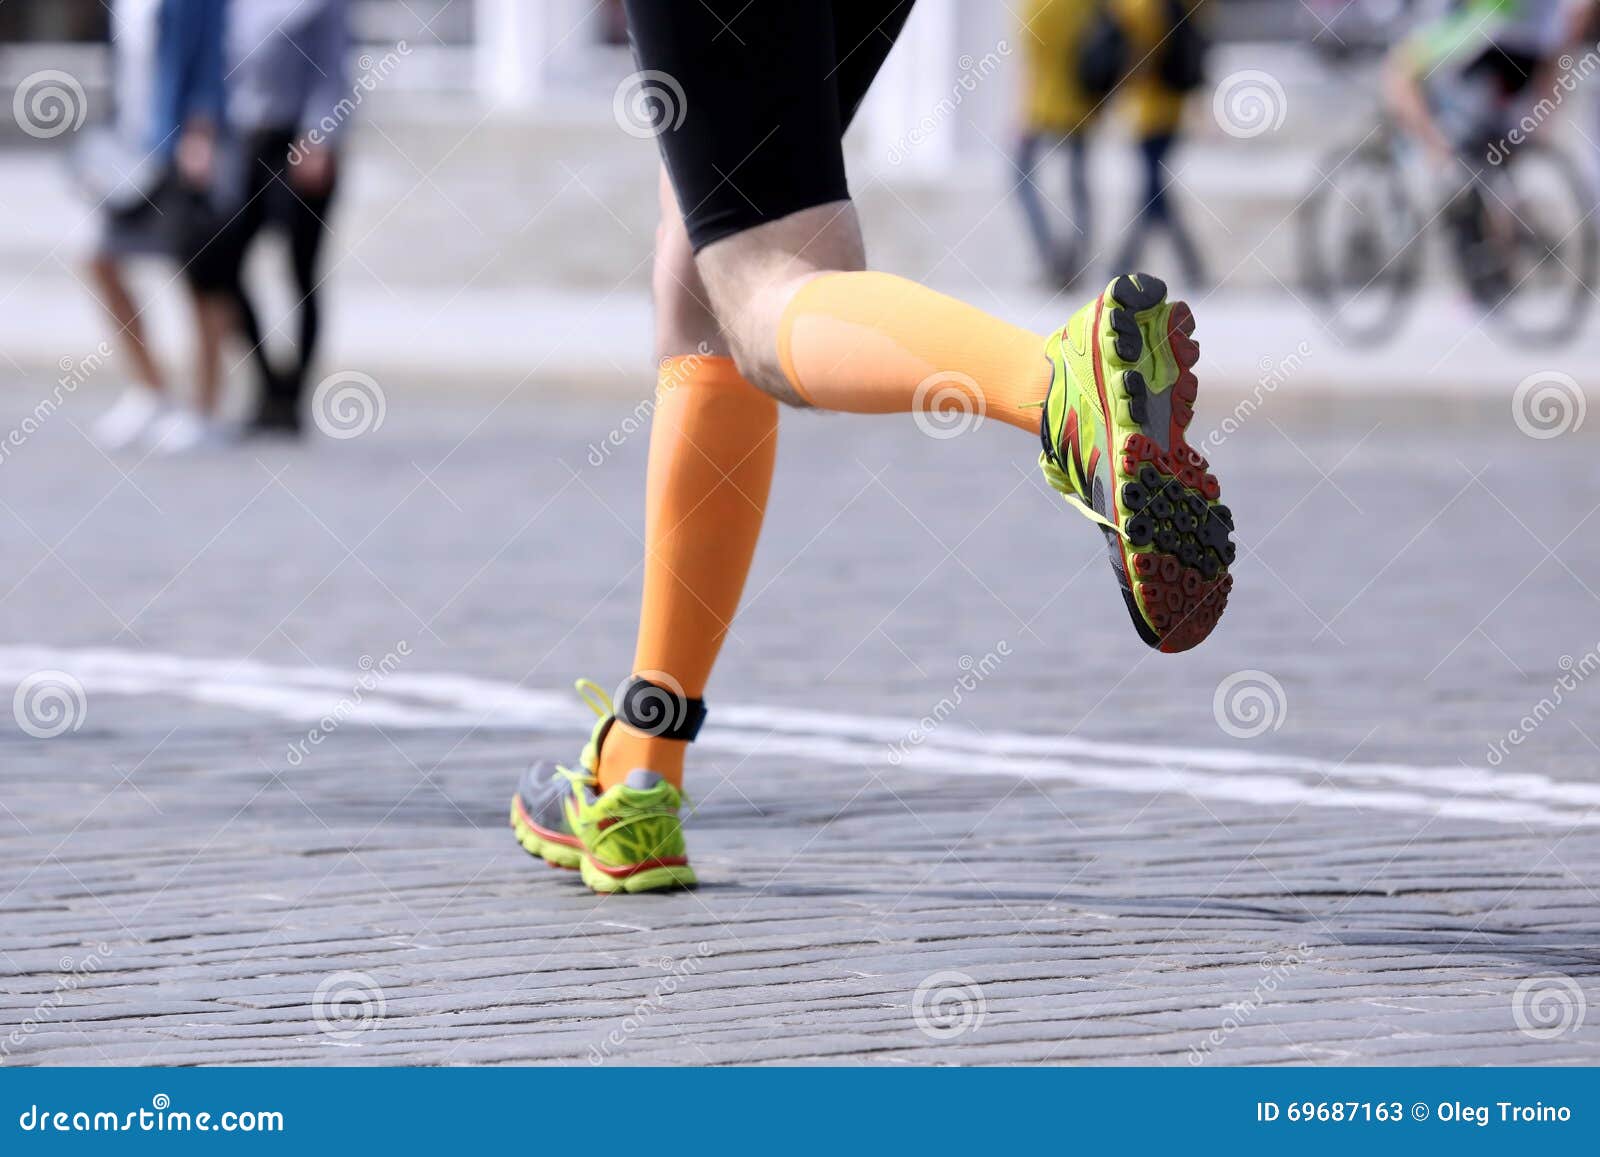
(1540, 247)
(1360, 244)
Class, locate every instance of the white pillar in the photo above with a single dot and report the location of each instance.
(902, 115)
(511, 45)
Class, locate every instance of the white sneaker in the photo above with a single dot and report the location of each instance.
(136, 409)
(182, 431)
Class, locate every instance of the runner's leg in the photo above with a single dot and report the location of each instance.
(713, 441)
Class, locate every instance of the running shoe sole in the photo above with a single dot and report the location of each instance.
(557, 850)
(1174, 547)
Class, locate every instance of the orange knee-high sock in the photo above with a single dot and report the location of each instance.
(872, 343)
(713, 442)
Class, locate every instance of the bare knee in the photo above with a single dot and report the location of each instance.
(751, 277)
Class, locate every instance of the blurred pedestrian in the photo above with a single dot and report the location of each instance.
(165, 84)
(289, 97)
(1169, 48)
(1069, 65)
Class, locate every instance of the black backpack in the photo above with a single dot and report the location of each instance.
(1182, 67)
(1103, 54)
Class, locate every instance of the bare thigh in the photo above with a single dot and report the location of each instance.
(685, 323)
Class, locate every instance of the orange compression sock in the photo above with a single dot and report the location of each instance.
(872, 343)
(713, 442)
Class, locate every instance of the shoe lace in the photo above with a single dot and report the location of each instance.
(1059, 480)
(596, 696)
(599, 701)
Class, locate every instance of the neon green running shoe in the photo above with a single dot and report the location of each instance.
(1121, 397)
(625, 839)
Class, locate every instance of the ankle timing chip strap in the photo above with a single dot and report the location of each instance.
(659, 711)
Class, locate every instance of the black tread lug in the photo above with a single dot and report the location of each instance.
(1130, 342)
(1146, 292)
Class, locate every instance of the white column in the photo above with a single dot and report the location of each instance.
(511, 44)
(902, 116)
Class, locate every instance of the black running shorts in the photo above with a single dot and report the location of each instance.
(749, 100)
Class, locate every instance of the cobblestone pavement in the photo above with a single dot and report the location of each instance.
(1357, 826)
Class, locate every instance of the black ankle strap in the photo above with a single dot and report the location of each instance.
(660, 711)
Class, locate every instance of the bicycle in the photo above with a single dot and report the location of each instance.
(1523, 237)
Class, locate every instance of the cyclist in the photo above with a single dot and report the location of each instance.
(1451, 82)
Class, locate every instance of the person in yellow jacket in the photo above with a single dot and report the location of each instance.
(1057, 113)
(1166, 54)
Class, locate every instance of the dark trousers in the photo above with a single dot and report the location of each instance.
(1061, 260)
(1157, 212)
(268, 198)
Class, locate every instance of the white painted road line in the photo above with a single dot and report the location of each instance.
(401, 699)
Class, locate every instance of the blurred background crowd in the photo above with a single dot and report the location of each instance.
(241, 200)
